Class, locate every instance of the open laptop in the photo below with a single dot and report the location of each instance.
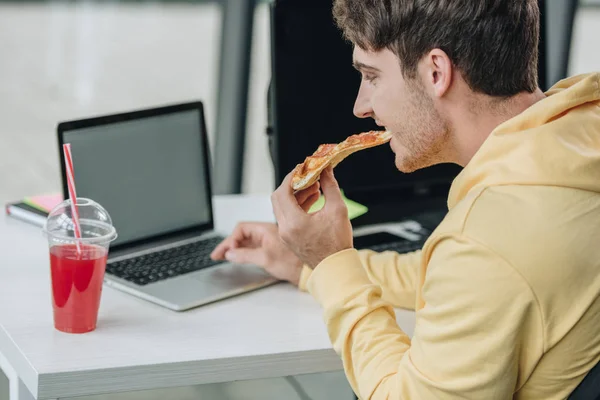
(150, 169)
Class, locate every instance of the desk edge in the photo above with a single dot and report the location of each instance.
(189, 373)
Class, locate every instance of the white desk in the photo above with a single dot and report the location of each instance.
(273, 332)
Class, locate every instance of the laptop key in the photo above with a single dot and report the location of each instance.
(141, 281)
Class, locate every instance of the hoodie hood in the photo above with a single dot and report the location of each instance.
(555, 142)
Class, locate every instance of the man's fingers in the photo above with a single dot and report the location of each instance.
(310, 201)
(291, 218)
(303, 195)
(249, 233)
(331, 189)
(246, 256)
(219, 252)
(284, 202)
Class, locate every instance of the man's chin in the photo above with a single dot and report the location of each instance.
(407, 166)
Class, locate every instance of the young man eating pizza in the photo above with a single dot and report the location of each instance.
(507, 289)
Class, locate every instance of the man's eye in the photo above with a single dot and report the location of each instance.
(370, 78)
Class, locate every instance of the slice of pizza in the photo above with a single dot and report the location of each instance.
(309, 171)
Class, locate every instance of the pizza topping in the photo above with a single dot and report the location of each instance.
(308, 172)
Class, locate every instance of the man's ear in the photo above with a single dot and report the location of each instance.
(436, 72)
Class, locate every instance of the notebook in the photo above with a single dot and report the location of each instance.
(34, 209)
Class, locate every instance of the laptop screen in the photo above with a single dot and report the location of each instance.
(149, 172)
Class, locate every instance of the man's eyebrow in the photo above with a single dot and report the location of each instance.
(360, 66)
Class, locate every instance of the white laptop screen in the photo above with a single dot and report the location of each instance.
(149, 173)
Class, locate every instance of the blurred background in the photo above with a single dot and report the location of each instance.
(62, 60)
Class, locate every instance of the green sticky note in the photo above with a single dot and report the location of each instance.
(354, 209)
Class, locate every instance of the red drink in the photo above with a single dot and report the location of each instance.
(77, 286)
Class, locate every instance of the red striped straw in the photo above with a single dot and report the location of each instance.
(72, 194)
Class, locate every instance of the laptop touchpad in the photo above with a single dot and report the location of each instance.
(232, 275)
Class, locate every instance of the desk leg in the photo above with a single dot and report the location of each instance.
(17, 389)
(13, 379)
(22, 392)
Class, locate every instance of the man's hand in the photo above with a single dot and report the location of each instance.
(259, 243)
(313, 237)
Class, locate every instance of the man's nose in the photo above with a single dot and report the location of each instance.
(362, 105)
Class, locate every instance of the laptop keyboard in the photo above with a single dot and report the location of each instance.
(386, 241)
(155, 267)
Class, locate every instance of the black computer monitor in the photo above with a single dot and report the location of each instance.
(311, 100)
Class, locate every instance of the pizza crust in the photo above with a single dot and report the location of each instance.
(307, 173)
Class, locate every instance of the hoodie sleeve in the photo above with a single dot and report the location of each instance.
(479, 315)
(395, 273)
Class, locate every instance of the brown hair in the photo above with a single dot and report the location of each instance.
(493, 43)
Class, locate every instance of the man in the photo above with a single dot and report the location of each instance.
(507, 289)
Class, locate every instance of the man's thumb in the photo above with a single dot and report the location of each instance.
(330, 188)
(246, 256)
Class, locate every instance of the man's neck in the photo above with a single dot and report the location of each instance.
(472, 129)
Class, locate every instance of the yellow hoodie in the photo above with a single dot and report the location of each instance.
(507, 288)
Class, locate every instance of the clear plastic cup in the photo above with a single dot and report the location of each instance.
(77, 274)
